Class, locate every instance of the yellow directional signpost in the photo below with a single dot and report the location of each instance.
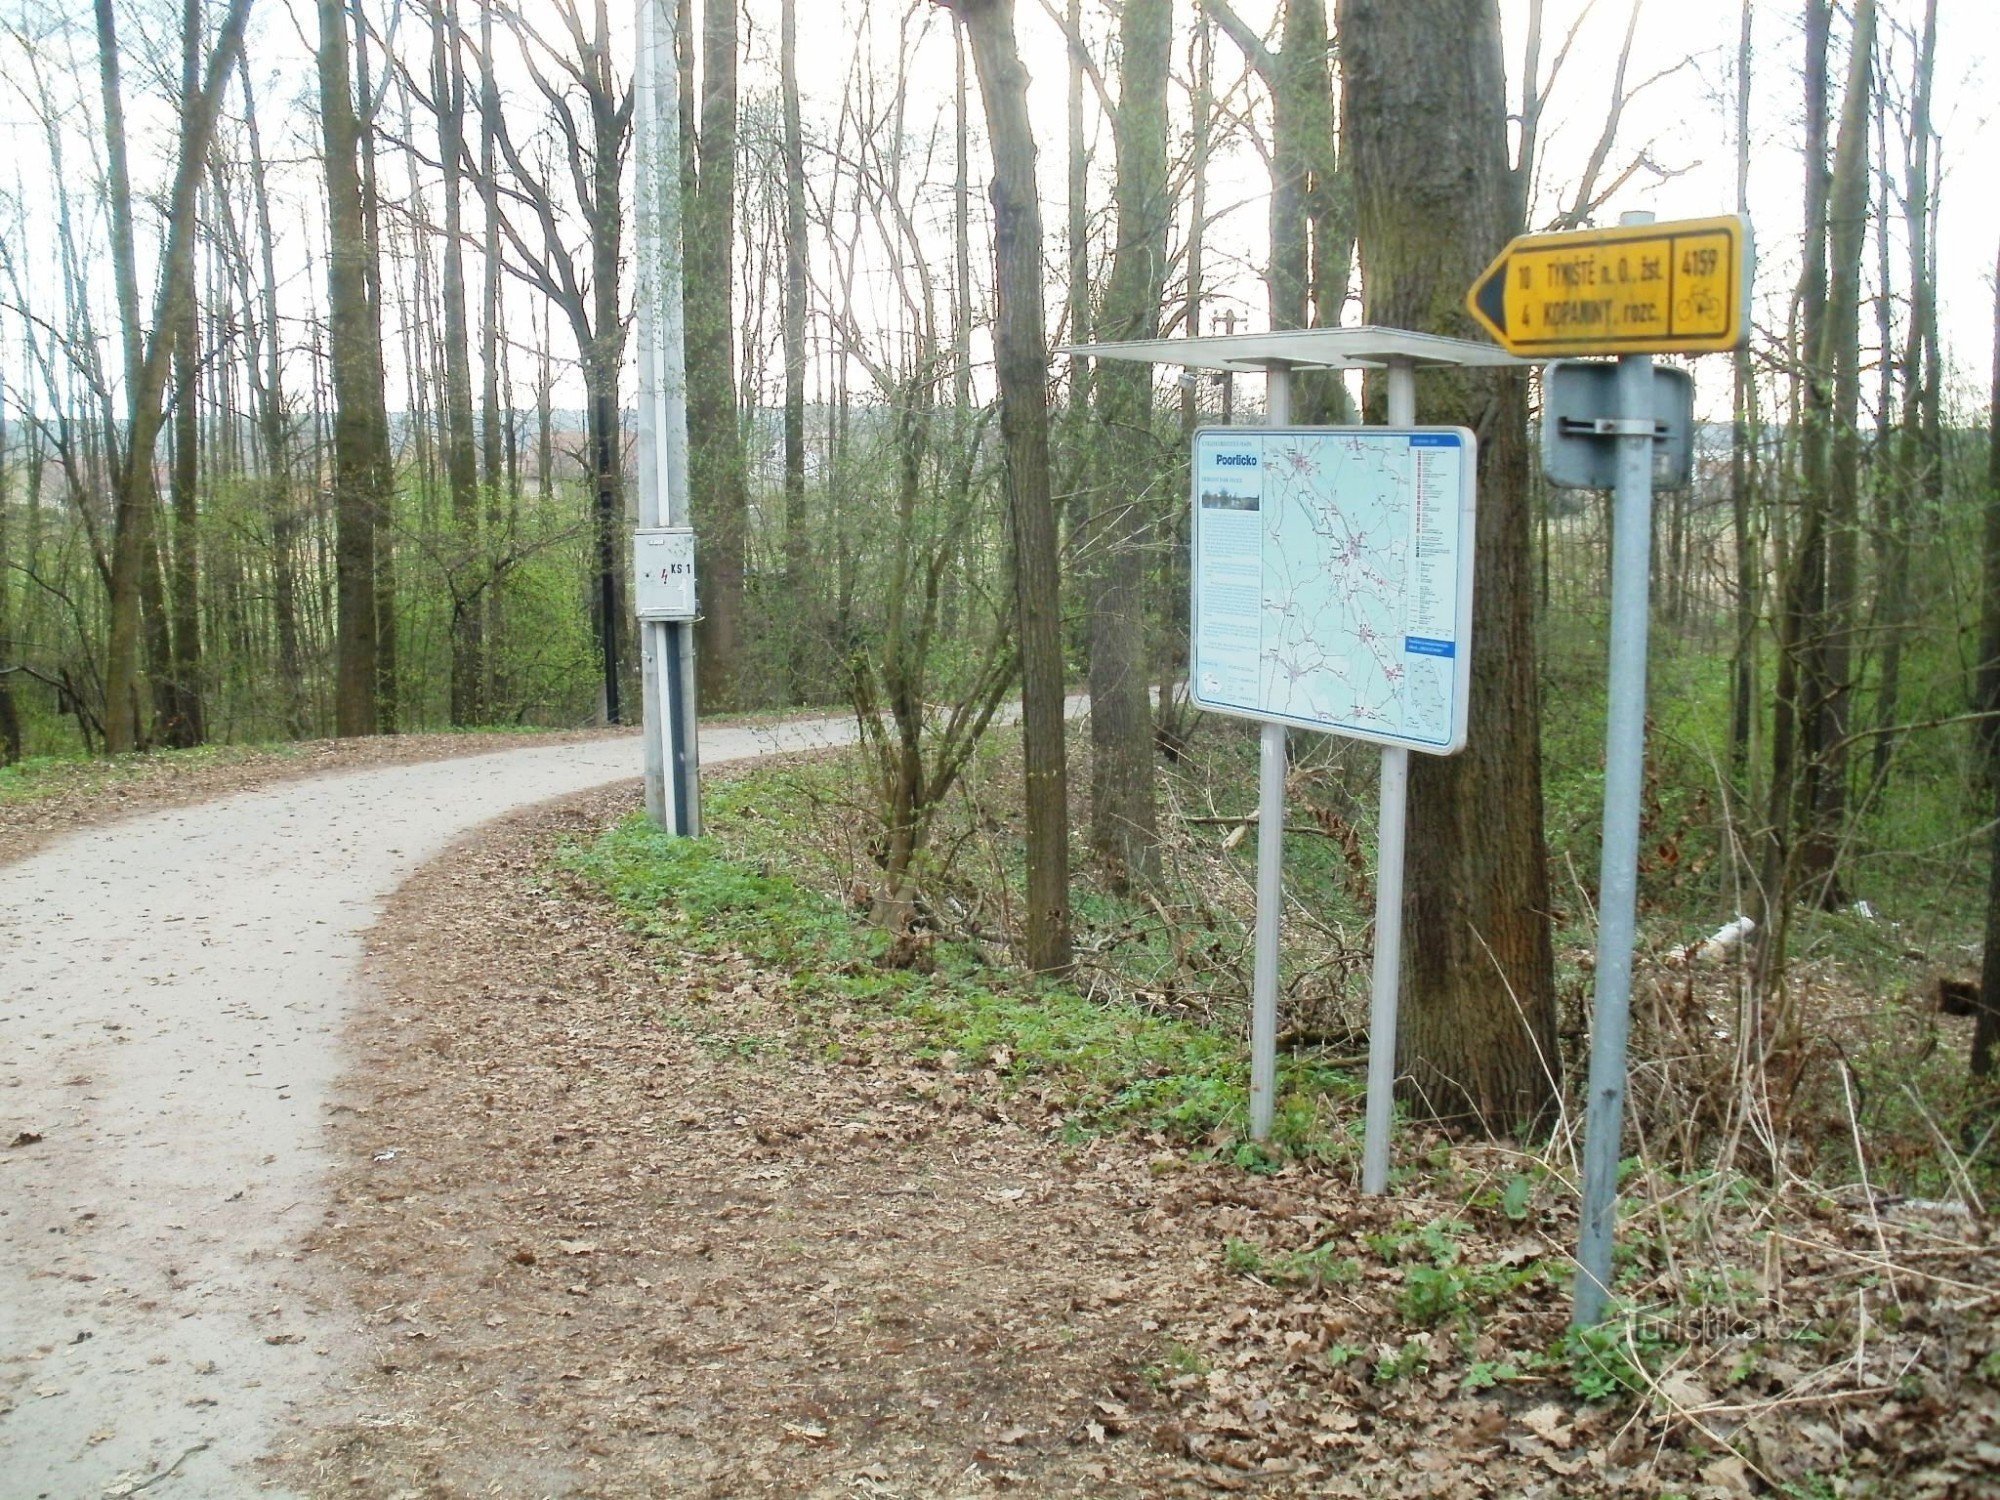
(1635, 291)
(1677, 288)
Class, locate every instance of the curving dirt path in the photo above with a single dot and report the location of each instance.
(172, 989)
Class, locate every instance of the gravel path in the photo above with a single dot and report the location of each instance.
(171, 993)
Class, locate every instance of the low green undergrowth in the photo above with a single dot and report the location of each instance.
(1100, 1064)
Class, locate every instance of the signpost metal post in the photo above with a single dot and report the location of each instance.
(666, 641)
(1634, 291)
(1624, 778)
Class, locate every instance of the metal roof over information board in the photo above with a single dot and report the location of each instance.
(1365, 348)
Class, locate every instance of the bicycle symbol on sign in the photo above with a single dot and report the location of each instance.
(1700, 307)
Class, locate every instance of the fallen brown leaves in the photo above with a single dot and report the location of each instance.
(616, 1227)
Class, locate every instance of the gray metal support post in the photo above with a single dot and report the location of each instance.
(1618, 880)
(1392, 819)
(1270, 862)
(673, 790)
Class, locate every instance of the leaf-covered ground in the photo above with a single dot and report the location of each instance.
(623, 1218)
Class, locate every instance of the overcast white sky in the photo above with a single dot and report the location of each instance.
(1685, 121)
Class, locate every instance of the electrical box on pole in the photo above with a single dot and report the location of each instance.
(663, 573)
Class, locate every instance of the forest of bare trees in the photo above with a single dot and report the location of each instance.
(314, 369)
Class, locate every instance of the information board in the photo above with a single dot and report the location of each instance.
(1332, 583)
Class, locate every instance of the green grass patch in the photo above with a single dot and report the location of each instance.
(38, 776)
(1102, 1065)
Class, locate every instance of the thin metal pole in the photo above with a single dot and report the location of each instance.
(1270, 910)
(1270, 863)
(1392, 821)
(673, 791)
(1618, 879)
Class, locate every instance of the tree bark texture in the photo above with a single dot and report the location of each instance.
(1847, 232)
(181, 719)
(368, 99)
(1123, 826)
(1916, 482)
(1022, 365)
(1794, 708)
(1987, 1028)
(461, 453)
(715, 458)
(148, 355)
(1743, 706)
(797, 544)
(1426, 138)
(360, 423)
(1312, 206)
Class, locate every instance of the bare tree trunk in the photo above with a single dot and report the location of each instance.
(961, 201)
(1986, 676)
(1986, 1030)
(182, 724)
(1312, 206)
(1917, 471)
(797, 588)
(1021, 362)
(1803, 565)
(1123, 825)
(716, 460)
(1202, 128)
(148, 356)
(10, 652)
(1749, 565)
(360, 423)
(382, 527)
(464, 566)
(545, 446)
(497, 471)
(1425, 116)
(268, 390)
(1847, 230)
(1077, 201)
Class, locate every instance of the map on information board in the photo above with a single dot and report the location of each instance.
(1332, 583)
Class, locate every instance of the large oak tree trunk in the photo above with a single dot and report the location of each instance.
(1425, 111)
